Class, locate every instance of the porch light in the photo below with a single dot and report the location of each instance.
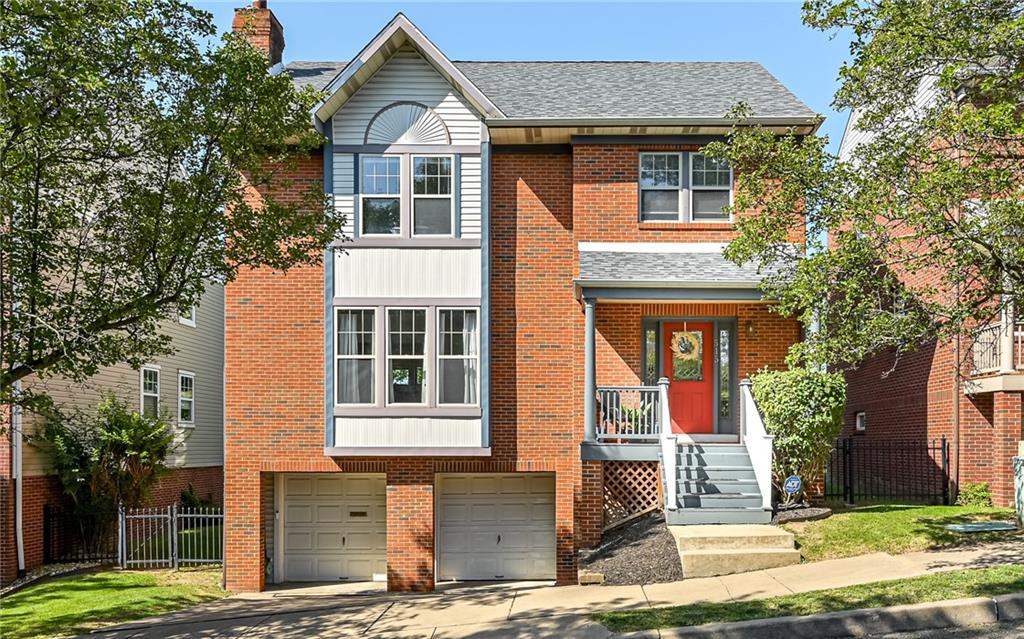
(751, 331)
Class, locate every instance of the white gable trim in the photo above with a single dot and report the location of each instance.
(399, 31)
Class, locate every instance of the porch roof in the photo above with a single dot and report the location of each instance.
(690, 271)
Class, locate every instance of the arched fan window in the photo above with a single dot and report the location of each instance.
(406, 123)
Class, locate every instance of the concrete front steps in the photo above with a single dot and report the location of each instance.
(713, 550)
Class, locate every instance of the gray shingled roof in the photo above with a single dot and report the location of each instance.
(599, 90)
(670, 269)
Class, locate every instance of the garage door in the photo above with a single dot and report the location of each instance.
(334, 527)
(496, 526)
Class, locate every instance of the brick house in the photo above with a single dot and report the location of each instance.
(966, 390)
(521, 236)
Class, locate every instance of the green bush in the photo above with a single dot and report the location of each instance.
(972, 494)
(108, 459)
(189, 499)
(803, 410)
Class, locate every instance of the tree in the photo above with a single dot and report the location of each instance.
(925, 218)
(131, 140)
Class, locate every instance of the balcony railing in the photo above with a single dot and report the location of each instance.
(628, 414)
(987, 351)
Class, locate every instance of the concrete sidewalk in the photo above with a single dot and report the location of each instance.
(525, 609)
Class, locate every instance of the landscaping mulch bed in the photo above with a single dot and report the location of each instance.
(641, 552)
(803, 513)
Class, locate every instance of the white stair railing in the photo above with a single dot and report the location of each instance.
(668, 446)
(758, 442)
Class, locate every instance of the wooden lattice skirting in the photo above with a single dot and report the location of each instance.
(631, 488)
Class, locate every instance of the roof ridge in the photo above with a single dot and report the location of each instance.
(609, 62)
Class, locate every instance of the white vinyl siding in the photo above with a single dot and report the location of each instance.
(406, 77)
(470, 195)
(418, 432)
(409, 272)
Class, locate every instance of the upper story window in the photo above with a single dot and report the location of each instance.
(381, 204)
(684, 187)
(150, 392)
(407, 349)
(355, 355)
(188, 318)
(186, 398)
(432, 210)
(457, 353)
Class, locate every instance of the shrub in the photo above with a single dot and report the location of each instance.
(108, 459)
(972, 494)
(803, 409)
(189, 499)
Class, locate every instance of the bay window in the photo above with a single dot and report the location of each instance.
(354, 349)
(457, 354)
(407, 332)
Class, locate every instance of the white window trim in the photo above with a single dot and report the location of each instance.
(413, 196)
(692, 188)
(375, 401)
(192, 422)
(427, 355)
(142, 388)
(188, 321)
(678, 189)
(860, 421)
(439, 357)
(380, 196)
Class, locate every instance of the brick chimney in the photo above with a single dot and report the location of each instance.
(261, 28)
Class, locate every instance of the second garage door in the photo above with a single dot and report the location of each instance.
(334, 527)
(496, 526)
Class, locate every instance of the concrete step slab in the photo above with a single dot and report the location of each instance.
(738, 536)
(711, 563)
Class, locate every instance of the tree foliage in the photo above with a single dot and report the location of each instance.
(924, 217)
(803, 410)
(130, 137)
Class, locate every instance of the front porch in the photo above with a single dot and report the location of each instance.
(663, 360)
(997, 356)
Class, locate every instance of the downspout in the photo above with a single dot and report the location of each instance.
(16, 464)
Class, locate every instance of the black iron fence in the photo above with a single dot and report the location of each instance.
(861, 469)
(79, 536)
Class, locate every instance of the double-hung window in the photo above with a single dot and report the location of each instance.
(355, 355)
(660, 187)
(684, 187)
(188, 318)
(432, 210)
(710, 188)
(381, 195)
(458, 356)
(407, 349)
(186, 398)
(150, 378)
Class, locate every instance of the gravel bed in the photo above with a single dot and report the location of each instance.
(807, 513)
(642, 552)
(51, 570)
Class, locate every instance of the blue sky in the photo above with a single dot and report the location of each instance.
(771, 33)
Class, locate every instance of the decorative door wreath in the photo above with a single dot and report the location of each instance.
(687, 355)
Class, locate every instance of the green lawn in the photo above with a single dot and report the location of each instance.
(983, 582)
(893, 529)
(79, 603)
(194, 543)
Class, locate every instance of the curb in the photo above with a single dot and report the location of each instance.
(955, 613)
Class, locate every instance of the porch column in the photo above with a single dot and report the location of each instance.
(1006, 338)
(589, 371)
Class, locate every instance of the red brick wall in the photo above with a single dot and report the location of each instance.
(208, 483)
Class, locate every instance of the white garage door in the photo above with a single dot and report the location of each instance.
(334, 527)
(496, 526)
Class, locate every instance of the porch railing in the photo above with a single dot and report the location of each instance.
(628, 413)
(987, 349)
(758, 442)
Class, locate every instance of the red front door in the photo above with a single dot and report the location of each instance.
(689, 367)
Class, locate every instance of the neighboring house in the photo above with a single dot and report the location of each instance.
(187, 387)
(524, 236)
(967, 390)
